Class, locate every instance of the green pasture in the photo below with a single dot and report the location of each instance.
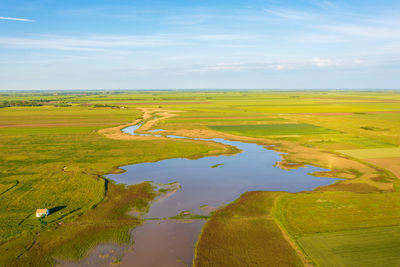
(201, 123)
(221, 121)
(364, 142)
(343, 228)
(273, 129)
(194, 114)
(49, 116)
(322, 108)
(337, 211)
(378, 246)
(341, 142)
(370, 126)
(47, 130)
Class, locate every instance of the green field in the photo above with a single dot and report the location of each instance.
(245, 234)
(337, 211)
(367, 247)
(53, 156)
(273, 129)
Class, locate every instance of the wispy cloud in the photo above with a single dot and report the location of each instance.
(291, 13)
(103, 42)
(16, 19)
(373, 31)
(280, 65)
(324, 4)
(93, 43)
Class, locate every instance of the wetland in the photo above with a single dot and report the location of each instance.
(225, 178)
(172, 224)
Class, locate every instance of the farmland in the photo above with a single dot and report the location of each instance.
(273, 129)
(367, 247)
(373, 153)
(234, 225)
(54, 155)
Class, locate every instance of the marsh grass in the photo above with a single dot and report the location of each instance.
(108, 222)
(50, 159)
(245, 234)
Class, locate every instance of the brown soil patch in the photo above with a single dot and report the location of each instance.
(391, 164)
(160, 113)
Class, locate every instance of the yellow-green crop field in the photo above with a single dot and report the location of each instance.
(52, 155)
(392, 152)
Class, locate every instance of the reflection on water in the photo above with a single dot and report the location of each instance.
(171, 242)
(164, 243)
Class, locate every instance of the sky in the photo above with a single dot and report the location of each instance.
(190, 44)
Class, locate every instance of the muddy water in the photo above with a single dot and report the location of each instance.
(206, 183)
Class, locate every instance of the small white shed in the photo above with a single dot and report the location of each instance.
(42, 212)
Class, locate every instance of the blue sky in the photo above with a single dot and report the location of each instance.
(308, 44)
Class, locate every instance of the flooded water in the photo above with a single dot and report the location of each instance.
(207, 183)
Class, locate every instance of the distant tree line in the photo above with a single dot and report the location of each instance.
(106, 106)
(21, 103)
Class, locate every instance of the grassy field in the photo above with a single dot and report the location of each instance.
(273, 129)
(374, 153)
(53, 156)
(332, 228)
(245, 234)
(107, 222)
(378, 246)
(343, 228)
(337, 211)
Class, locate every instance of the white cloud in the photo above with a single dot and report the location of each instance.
(321, 62)
(284, 65)
(16, 19)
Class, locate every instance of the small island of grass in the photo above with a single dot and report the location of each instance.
(217, 165)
